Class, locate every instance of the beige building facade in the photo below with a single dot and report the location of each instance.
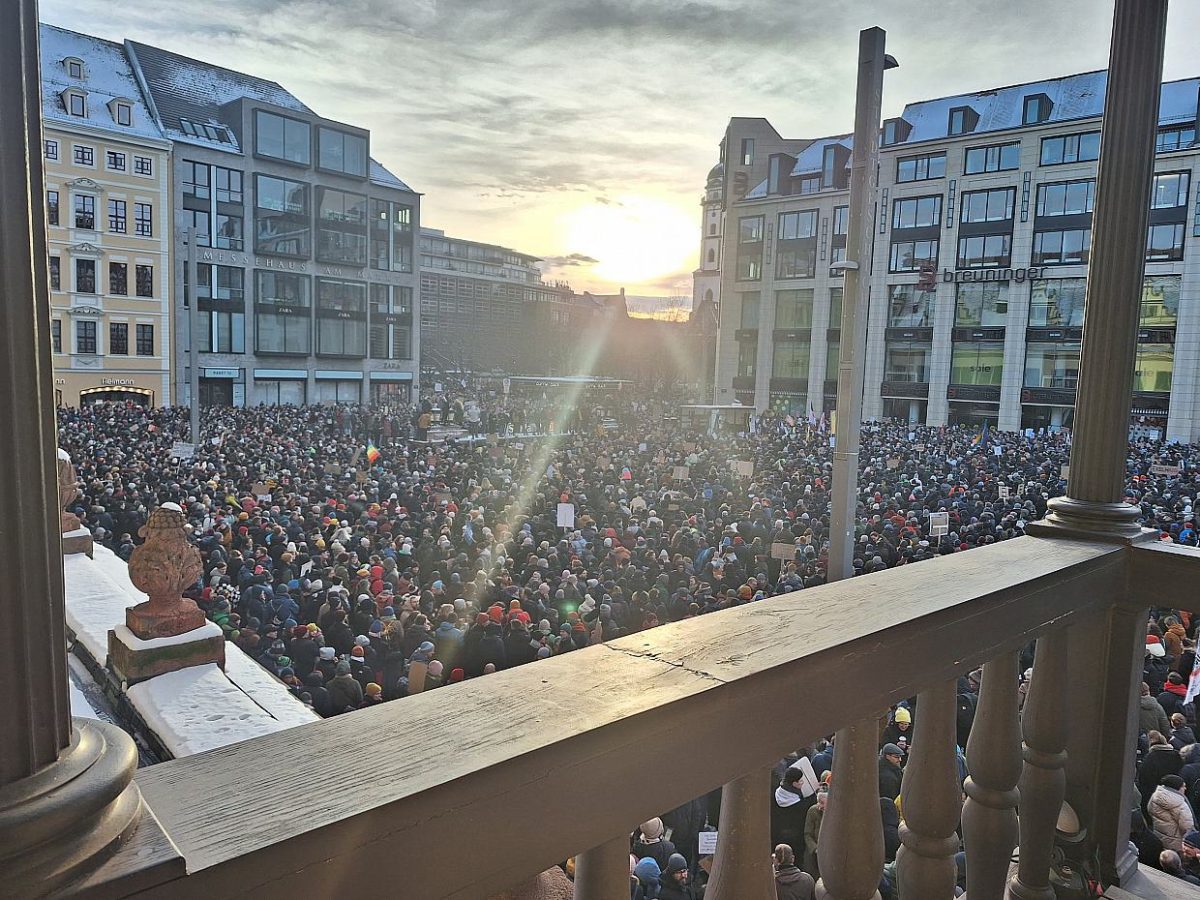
(109, 226)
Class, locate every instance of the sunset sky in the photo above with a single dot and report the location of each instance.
(582, 130)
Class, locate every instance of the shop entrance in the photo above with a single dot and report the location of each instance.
(216, 392)
(140, 396)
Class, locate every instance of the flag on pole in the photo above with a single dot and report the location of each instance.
(372, 453)
(981, 439)
(812, 415)
(1193, 688)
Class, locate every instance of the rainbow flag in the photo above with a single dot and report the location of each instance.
(372, 453)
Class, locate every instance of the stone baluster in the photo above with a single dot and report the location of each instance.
(931, 798)
(1044, 778)
(850, 852)
(603, 871)
(742, 867)
(989, 816)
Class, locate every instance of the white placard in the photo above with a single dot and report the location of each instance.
(680, 473)
(1066, 472)
(780, 550)
(918, 448)
(181, 450)
(997, 449)
(566, 515)
(743, 467)
(306, 568)
(1158, 469)
(706, 843)
(1004, 491)
(939, 524)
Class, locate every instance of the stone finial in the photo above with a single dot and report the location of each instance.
(68, 490)
(163, 566)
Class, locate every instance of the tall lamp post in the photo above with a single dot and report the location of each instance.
(854, 798)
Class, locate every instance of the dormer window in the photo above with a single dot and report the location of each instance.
(75, 103)
(74, 67)
(123, 112)
(895, 131)
(963, 120)
(1036, 109)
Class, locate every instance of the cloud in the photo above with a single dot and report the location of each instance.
(569, 261)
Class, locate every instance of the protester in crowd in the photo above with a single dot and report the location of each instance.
(1170, 813)
(790, 882)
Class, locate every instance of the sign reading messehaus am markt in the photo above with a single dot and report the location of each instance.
(1018, 275)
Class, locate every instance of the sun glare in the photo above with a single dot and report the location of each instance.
(635, 239)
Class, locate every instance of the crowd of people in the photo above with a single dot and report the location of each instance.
(361, 564)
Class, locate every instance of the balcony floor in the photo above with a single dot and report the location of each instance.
(1149, 884)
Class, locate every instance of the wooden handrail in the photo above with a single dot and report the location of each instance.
(429, 788)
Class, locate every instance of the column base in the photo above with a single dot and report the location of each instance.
(78, 540)
(64, 820)
(1088, 520)
(132, 659)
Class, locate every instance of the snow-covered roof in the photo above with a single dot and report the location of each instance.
(107, 76)
(812, 156)
(381, 176)
(1072, 97)
(186, 90)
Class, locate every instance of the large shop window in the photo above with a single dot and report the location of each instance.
(341, 318)
(910, 307)
(790, 359)
(1153, 366)
(391, 236)
(283, 313)
(1160, 301)
(391, 322)
(907, 361)
(282, 217)
(977, 362)
(1052, 365)
(981, 304)
(1057, 302)
(793, 309)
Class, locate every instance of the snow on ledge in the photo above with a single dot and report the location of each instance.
(133, 642)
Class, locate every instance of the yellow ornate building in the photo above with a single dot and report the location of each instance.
(107, 205)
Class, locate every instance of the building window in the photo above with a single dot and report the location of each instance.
(118, 278)
(205, 130)
(962, 120)
(712, 255)
(796, 225)
(747, 366)
(391, 236)
(200, 224)
(342, 227)
(1164, 242)
(144, 278)
(835, 307)
(85, 336)
(77, 104)
(52, 207)
(229, 232)
(84, 156)
(790, 359)
(890, 133)
(1160, 301)
(996, 158)
(282, 218)
(921, 168)
(143, 165)
(338, 151)
(1175, 137)
(1066, 198)
(797, 260)
(1052, 365)
(114, 161)
(56, 335)
(51, 149)
(1036, 109)
(1169, 190)
(750, 305)
(228, 184)
(1061, 248)
(282, 313)
(74, 67)
(143, 224)
(988, 206)
(195, 180)
(1057, 302)
(55, 273)
(910, 307)
(341, 318)
(907, 361)
(747, 151)
(1070, 148)
(118, 339)
(793, 309)
(909, 256)
(145, 340)
(391, 322)
(85, 276)
(841, 220)
(917, 212)
(983, 304)
(116, 216)
(750, 239)
(124, 114)
(282, 138)
(984, 250)
(980, 363)
(833, 355)
(1153, 364)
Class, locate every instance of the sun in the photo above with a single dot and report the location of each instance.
(635, 238)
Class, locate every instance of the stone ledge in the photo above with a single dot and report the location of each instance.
(133, 659)
(77, 541)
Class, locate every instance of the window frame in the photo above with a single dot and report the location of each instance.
(899, 204)
(927, 159)
(118, 286)
(285, 120)
(144, 339)
(965, 204)
(118, 338)
(1078, 138)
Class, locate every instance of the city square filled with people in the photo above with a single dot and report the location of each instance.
(361, 562)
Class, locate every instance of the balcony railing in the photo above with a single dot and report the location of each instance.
(565, 744)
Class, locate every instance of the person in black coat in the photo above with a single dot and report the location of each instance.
(304, 653)
(314, 686)
(789, 807)
(891, 828)
(890, 773)
(339, 636)
(518, 648)
(1161, 759)
(491, 648)
(472, 661)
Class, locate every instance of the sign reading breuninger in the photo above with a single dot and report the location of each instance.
(1018, 275)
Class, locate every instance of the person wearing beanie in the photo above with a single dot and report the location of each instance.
(456, 675)
(675, 882)
(327, 663)
(345, 693)
(652, 844)
(648, 874)
(1170, 813)
(899, 727)
(790, 882)
(372, 694)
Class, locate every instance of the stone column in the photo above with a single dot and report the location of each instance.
(603, 871)
(66, 794)
(742, 866)
(1094, 503)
